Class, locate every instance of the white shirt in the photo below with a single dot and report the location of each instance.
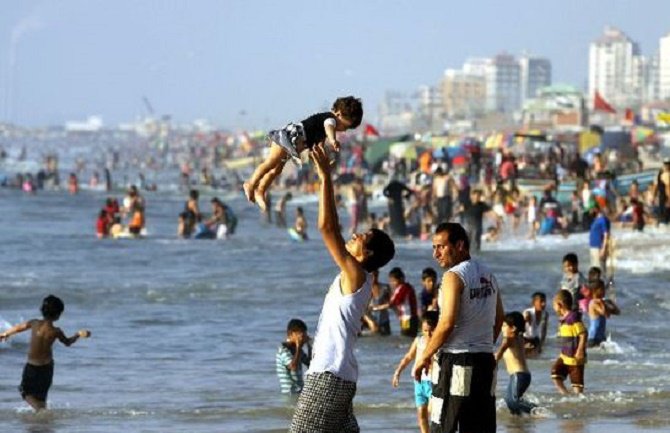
(338, 329)
(473, 331)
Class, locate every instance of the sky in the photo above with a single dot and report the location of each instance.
(262, 63)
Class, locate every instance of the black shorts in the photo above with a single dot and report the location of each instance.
(36, 381)
(464, 395)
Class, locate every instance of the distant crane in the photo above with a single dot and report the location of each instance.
(147, 104)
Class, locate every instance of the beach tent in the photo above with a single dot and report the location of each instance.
(376, 151)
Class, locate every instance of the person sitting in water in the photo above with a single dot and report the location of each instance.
(300, 225)
(102, 224)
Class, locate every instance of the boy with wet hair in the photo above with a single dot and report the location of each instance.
(513, 352)
(38, 371)
(599, 310)
(290, 357)
(429, 292)
(572, 337)
(291, 140)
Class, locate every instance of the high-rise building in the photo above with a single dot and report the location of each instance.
(535, 74)
(664, 67)
(463, 94)
(616, 70)
(503, 84)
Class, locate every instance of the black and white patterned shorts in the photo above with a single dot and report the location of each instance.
(291, 138)
(463, 393)
(325, 405)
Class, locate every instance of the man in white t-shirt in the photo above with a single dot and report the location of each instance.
(326, 402)
(471, 315)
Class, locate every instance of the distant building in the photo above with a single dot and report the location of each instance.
(396, 114)
(616, 69)
(555, 107)
(664, 67)
(535, 74)
(503, 84)
(463, 94)
(91, 124)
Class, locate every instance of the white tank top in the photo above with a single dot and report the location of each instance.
(476, 316)
(338, 329)
(534, 327)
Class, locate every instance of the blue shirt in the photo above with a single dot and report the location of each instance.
(599, 228)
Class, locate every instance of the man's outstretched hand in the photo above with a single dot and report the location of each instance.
(321, 160)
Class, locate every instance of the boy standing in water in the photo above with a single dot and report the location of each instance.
(291, 140)
(290, 357)
(599, 310)
(513, 352)
(423, 389)
(39, 370)
(572, 336)
(573, 280)
(536, 318)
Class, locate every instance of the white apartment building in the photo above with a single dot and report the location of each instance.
(616, 69)
(664, 67)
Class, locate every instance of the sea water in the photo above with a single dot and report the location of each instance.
(184, 332)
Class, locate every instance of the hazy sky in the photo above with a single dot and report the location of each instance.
(277, 60)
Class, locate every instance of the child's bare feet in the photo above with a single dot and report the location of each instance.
(249, 192)
(261, 200)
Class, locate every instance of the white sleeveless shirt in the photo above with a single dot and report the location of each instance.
(338, 329)
(473, 332)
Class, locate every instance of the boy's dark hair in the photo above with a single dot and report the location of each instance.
(428, 273)
(565, 298)
(597, 283)
(571, 258)
(455, 232)
(514, 318)
(397, 273)
(431, 318)
(540, 295)
(103, 213)
(594, 273)
(295, 325)
(383, 250)
(300, 210)
(52, 307)
(350, 108)
(194, 194)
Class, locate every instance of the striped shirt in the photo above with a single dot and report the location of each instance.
(290, 382)
(569, 329)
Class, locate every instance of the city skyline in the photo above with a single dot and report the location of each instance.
(231, 63)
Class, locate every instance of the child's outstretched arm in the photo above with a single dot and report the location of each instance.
(16, 329)
(68, 341)
(404, 362)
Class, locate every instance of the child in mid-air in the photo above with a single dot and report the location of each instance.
(512, 350)
(572, 337)
(39, 369)
(599, 310)
(423, 389)
(291, 140)
(291, 357)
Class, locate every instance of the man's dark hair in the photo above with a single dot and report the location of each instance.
(382, 248)
(565, 298)
(194, 194)
(571, 258)
(428, 273)
(431, 318)
(52, 307)
(456, 233)
(540, 295)
(351, 109)
(515, 319)
(295, 325)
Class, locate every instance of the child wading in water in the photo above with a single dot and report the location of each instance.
(513, 352)
(291, 140)
(39, 369)
(422, 389)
